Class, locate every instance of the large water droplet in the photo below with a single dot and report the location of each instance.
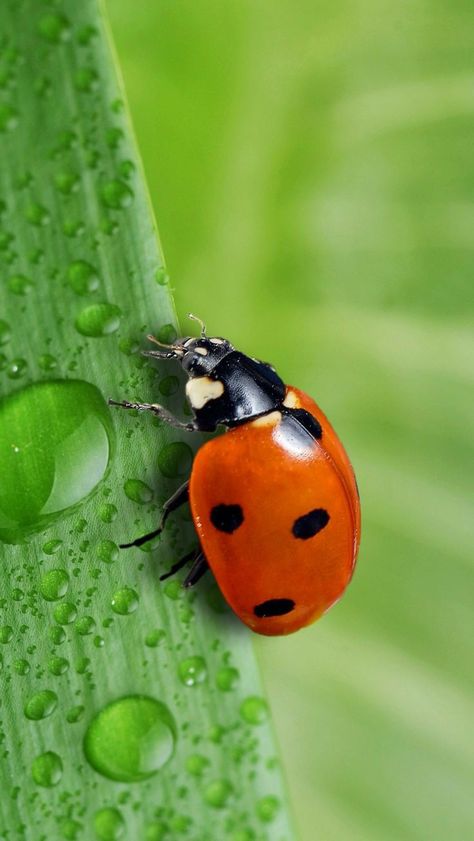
(54, 584)
(175, 459)
(55, 443)
(47, 769)
(41, 705)
(98, 320)
(109, 824)
(125, 601)
(130, 739)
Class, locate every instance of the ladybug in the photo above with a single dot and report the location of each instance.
(274, 501)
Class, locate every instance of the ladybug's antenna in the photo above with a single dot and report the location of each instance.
(199, 321)
(162, 344)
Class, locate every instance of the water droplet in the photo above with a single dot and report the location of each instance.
(107, 512)
(116, 194)
(113, 136)
(65, 613)
(75, 714)
(47, 769)
(109, 824)
(217, 793)
(47, 362)
(156, 831)
(66, 182)
(107, 551)
(243, 835)
(22, 667)
(86, 34)
(254, 710)
(138, 491)
(161, 276)
(130, 739)
(82, 277)
(173, 589)
(54, 27)
(126, 169)
(85, 625)
(58, 665)
(70, 829)
(168, 386)
(128, 345)
(267, 808)
(16, 368)
(36, 214)
(175, 459)
(86, 80)
(8, 117)
(5, 332)
(192, 671)
(54, 584)
(125, 601)
(227, 678)
(98, 320)
(20, 284)
(196, 764)
(41, 705)
(57, 635)
(55, 442)
(154, 638)
(6, 634)
(99, 642)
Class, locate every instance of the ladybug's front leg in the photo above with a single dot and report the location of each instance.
(179, 498)
(159, 411)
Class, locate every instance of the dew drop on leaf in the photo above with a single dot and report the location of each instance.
(109, 824)
(192, 671)
(54, 584)
(41, 705)
(125, 601)
(47, 769)
(98, 320)
(138, 491)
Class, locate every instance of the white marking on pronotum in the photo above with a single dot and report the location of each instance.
(203, 351)
(200, 390)
(267, 420)
(291, 400)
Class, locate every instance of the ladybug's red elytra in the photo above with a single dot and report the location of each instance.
(274, 501)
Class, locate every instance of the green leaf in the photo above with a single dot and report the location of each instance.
(129, 708)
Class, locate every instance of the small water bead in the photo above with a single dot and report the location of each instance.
(243, 835)
(41, 705)
(254, 710)
(57, 635)
(54, 27)
(138, 491)
(5, 332)
(66, 182)
(86, 34)
(113, 136)
(82, 277)
(73, 228)
(107, 551)
(156, 831)
(19, 284)
(54, 583)
(108, 512)
(37, 215)
(154, 638)
(75, 714)
(267, 808)
(6, 634)
(130, 739)
(63, 435)
(161, 276)
(21, 666)
(70, 829)
(116, 194)
(109, 824)
(125, 601)
(58, 665)
(82, 665)
(47, 362)
(167, 334)
(17, 594)
(3, 361)
(85, 625)
(173, 589)
(192, 671)
(226, 678)
(86, 80)
(169, 386)
(16, 368)
(126, 169)
(8, 117)
(196, 764)
(65, 613)
(217, 793)
(175, 459)
(98, 320)
(128, 345)
(99, 642)
(47, 769)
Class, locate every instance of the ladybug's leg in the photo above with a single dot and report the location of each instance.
(181, 563)
(179, 498)
(159, 411)
(199, 567)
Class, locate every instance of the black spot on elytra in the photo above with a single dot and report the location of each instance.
(309, 524)
(227, 518)
(274, 607)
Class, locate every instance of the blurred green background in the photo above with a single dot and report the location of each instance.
(312, 171)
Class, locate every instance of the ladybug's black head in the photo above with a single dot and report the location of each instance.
(199, 356)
